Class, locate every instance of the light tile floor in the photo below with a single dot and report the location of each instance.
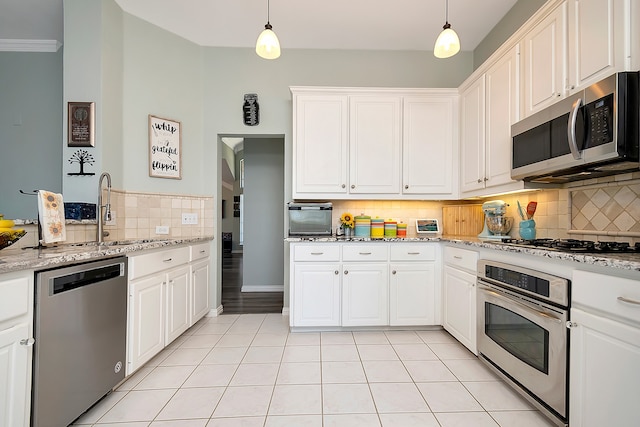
(249, 371)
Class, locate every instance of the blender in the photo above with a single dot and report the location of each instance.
(496, 224)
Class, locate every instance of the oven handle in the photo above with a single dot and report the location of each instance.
(520, 303)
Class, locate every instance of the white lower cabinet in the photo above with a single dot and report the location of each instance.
(16, 340)
(365, 294)
(165, 290)
(605, 351)
(354, 284)
(316, 294)
(412, 290)
(459, 295)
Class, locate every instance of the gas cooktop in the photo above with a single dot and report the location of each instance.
(574, 245)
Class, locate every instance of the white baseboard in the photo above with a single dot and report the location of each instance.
(267, 288)
(215, 312)
(285, 311)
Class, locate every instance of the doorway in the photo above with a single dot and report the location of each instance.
(252, 264)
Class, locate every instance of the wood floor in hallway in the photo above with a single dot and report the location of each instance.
(234, 301)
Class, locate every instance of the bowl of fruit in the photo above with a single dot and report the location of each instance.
(8, 234)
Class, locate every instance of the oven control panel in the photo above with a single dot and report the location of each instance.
(517, 279)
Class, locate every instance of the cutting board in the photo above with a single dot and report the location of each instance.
(462, 220)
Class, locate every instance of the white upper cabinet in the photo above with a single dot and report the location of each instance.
(472, 136)
(375, 144)
(426, 136)
(320, 126)
(545, 53)
(355, 143)
(502, 110)
(596, 40)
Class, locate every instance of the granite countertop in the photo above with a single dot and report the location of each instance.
(626, 261)
(15, 259)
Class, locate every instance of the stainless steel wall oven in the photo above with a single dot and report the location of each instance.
(522, 334)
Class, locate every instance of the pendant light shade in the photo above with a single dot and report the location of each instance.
(268, 45)
(447, 43)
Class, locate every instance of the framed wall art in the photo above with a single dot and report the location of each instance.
(165, 148)
(81, 124)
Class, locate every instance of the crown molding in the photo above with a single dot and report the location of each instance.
(16, 45)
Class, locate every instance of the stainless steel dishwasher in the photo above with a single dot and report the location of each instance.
(80, 332)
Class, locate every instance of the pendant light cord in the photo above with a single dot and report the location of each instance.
(446, 11)
(268, 8)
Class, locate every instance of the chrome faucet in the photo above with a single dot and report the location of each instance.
(107, 208)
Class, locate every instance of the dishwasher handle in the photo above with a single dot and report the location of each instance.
(87, 277)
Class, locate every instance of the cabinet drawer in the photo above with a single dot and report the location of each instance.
(611, 295)
(14, 297)
(143, 265)
(461, 258)
(377, 252)
(412, 252)
(200, 251)
(316, 253)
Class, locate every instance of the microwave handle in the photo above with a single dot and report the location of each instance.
(571, 130)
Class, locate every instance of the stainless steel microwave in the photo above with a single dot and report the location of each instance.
(590, 134)
(310, 219)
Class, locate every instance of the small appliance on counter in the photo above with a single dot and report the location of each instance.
(310, 219)
(496, 224)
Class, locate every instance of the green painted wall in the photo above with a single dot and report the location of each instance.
(30, 129)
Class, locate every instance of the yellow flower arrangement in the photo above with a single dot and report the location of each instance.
(347, 220)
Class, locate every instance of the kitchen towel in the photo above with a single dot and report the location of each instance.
(51, 217)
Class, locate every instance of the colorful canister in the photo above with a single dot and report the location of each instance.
(363, 226)
(377, 228)
(390, 228)
(402, 229)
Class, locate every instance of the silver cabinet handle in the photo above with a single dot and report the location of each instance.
(486, 179)
(346, 272)
(317, 253)
(479, 180)
(353, 186)
(413, 253)
(629, 301)
(336, 272)
(571, 324)
(27, 342)
(202, 251)
(406, 187)
(393, 272)
(364, 253)
(457, 257)
(344, 185)
(167, 260)
(571, 130)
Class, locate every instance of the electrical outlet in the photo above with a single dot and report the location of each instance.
(189, 218)
(162, 229)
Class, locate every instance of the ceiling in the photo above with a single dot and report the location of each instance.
(302, 24)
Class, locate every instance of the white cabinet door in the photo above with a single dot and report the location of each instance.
(146, 320)
(412, 294)
(502, 110)
(597, 40)
(427, 145)
(472, 133)
(365, 294)
(545, 54)
(15, 385)
(374, 144)
(320, 148)
(316, 294)
(459, 300)
(199, 291)
(604, 374)
(178, 302)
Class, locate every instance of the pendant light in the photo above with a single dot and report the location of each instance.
(268, 46)
(448, 43)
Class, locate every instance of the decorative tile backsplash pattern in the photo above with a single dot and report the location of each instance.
(607, 209)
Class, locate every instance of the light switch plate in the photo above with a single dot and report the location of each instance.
(162, 229)
(189, 218)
